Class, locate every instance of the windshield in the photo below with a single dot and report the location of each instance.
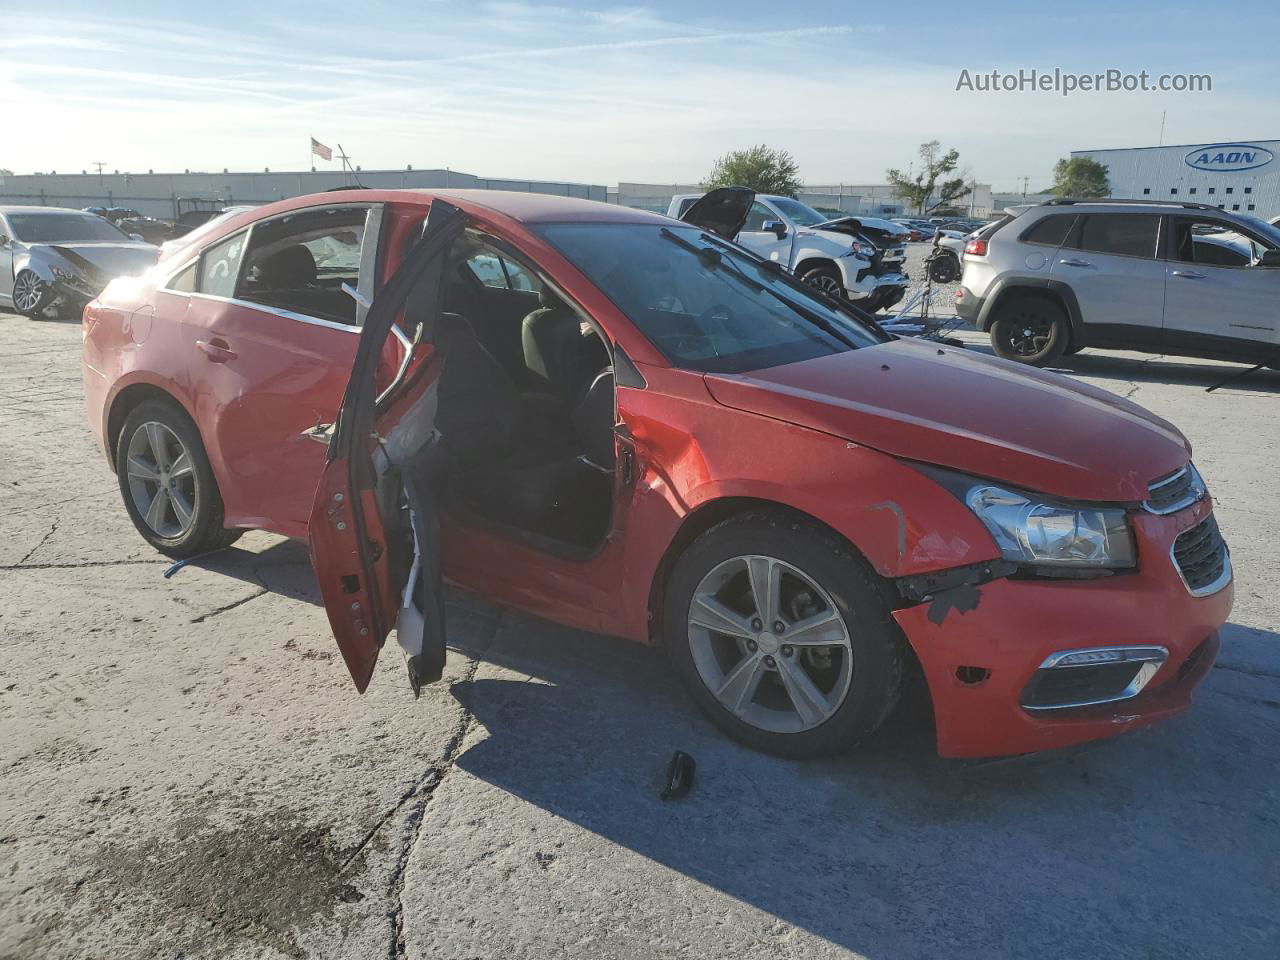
(64, 228)
(707, 304)
(801, 214)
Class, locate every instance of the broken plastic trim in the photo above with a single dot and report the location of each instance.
(924, 586)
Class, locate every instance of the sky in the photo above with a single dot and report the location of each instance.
(602, 94)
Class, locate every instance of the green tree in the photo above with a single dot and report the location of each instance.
(1081, 177)
(923, 191)
(761, 168)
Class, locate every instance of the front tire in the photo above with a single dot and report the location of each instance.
(1031, 330)
(167, 484)
(827, 279)
(781, 635)
(31, 295)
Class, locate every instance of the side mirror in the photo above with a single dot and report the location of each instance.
(1269, 258)
(776, 227)
(4, 241)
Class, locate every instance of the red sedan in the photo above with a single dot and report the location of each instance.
(628, 424)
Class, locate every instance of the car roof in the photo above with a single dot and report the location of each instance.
(32, 209)
(518, 205)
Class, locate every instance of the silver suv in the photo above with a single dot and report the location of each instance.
(1177, 278)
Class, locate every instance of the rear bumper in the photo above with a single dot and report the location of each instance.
(979, 664)
(968, 306)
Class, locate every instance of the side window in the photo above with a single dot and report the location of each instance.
(498, 272)
(300, 261)
(1123, 234)
(220, 266)
(757, 218)
(1211, 243)
(495, 271)
(1051, 231)
(184, 281)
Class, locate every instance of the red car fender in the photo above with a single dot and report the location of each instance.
(889, 512)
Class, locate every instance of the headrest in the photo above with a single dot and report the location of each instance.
(548, 299)
(288, 269)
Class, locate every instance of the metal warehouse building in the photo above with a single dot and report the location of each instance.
(1242, 176)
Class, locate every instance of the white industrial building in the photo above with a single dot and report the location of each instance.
(1240, 176)
(158, 194)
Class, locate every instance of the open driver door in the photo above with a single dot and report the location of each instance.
(374, 529)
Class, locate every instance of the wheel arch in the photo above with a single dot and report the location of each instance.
(715, 512)
(1053, 290)
(125, 401)
(712, 513)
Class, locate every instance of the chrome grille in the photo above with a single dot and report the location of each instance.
(1175, 492)
(1200, 554)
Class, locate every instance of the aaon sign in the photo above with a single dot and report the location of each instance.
(1228, 157)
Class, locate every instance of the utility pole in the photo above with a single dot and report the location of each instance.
(1025, 182)
(347, 169)
(99, 164)
(1164, 115)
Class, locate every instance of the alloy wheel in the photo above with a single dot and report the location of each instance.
(27, 291)
(162, 480)
(770, 644)
(826, 283)
(1029, 333)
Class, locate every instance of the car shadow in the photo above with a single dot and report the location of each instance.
(891, 851)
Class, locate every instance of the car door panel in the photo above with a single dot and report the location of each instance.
(1215, 300)
(378, 460)
(260, 381)
(1114, 290)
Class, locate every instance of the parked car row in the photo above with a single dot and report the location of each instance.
(631, 424)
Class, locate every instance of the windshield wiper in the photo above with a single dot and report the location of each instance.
(736, 271)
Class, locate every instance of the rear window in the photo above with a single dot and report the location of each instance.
(1051, 231)
(1123, 234)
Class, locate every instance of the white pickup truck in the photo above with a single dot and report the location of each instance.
(843, 257)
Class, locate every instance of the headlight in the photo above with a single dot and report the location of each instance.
(1043, 533)
(863, 250)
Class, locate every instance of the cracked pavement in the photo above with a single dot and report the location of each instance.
(188, 772)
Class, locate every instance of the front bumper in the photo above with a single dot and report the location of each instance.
(980, 658)
(859, 288)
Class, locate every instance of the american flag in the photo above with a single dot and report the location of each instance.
(320, 150)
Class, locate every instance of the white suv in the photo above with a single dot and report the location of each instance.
(1177, 278)
(845, 257)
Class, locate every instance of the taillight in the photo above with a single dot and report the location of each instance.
(976, 247)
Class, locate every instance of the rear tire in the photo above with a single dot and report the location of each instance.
(166, 482)
(1031, 330)
(752, 683)
(827, 279)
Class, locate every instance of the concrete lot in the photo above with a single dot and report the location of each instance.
(187, 771)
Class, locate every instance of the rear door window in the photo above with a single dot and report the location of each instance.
(220, 266)
(1121, 234)
(1052, 231)
(300, 262)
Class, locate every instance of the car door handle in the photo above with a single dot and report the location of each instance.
(216, 350)
(1075, 263)
(1187, 274)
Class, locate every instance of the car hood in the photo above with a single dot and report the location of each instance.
(103, 261)
(984, 416)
